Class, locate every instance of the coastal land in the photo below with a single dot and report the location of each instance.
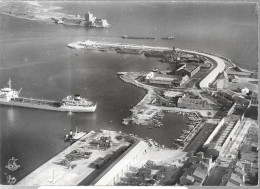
(217, 100)
(218, 120)
(216, 112)
(36, 11)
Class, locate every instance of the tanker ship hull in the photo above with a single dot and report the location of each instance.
(49, 107)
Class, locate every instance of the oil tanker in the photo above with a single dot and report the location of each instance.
(9, 96)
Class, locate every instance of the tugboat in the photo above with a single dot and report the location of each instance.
(74, 136)
(12, 166)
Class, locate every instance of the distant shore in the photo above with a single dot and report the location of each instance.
(30, 11)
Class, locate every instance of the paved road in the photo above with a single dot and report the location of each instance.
(204, 84)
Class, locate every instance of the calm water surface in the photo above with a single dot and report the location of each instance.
(34, 55)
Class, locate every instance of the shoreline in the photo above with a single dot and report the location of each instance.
(144, 112)
(130, 77)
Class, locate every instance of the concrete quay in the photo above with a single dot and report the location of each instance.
(51, 173)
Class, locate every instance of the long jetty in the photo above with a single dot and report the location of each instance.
(204, 84)
(108, 45)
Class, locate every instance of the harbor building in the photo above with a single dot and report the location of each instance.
(187, 102)
(187, 69)
(227, 94)
(234, 180)
(222, 135)
(254, 99)
(112, 175)
(166, 79)
(168, 98)
(199, 168)
(235, 176)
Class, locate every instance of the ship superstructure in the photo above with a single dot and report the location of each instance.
(9, 96)
(8, 93)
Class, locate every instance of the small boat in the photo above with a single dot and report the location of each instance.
(11, 180)
(102, 49)
(182, 137)
(169, 37)
(74, 136)
(77, 135)
(125, 122)
(155, 143)
(12, 166)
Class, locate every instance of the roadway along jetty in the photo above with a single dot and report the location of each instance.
(204, 84)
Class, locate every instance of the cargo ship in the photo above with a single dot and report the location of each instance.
(133, 37)
(9, 96)
(169, 37)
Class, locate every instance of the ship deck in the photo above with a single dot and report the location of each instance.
(37, 101)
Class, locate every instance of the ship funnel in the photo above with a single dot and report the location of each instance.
(77, 97)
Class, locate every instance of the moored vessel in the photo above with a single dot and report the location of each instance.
(73, 136)
(169, 37)
(133, 37)
(9, 96)
(129, 51)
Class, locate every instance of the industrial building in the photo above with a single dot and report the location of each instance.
(198, 170)
(222, 135)
(115, 171)
(187, 102)
(187, 69)
(254, 99)
(166, 79)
